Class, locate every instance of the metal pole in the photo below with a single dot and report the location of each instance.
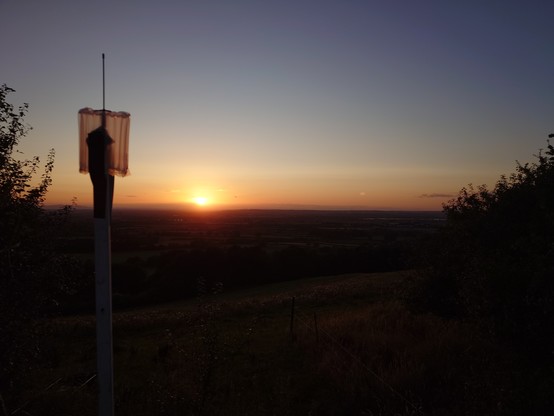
(103, 93)
(103, 85)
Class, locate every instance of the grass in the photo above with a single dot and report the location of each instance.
(232, 354)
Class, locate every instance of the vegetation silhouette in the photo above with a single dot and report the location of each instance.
(34, 276)
(494, 259)
(176, 273)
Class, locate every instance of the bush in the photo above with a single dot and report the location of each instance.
(494, 258)
(33, 277)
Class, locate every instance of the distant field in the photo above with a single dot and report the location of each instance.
(144, 230)
(354, 349)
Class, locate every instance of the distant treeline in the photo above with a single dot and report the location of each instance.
(177, 272)
(207, 268)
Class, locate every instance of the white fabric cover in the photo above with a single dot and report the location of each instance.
(118, 125)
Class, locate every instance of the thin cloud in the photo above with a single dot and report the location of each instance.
(436, 196)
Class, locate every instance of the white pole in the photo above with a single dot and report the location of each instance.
(103, 267)
(102, 182)
(104, 343)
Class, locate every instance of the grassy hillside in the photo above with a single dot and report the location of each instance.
(354, 349)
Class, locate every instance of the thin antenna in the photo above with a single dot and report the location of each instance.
(103, 85)
(103, 94)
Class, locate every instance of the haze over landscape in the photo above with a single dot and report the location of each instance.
(341, 104)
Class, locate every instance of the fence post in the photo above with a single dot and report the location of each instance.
(316, 329)
(292, 320)
(4, 409)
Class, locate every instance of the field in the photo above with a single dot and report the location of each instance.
(143, 231)
(161, 256)
(353, 348)
(269, 313)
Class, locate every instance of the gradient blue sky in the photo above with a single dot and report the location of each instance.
(366, 104)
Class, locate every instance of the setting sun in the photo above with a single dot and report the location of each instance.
(200, 200)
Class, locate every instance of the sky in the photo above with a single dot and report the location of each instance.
(343, 104)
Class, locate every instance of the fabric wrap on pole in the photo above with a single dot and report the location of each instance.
(117, 126)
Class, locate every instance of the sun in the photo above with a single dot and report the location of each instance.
(200, 200)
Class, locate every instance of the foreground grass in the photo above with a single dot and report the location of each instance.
(355, 349)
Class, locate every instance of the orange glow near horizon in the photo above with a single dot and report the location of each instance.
(263, 190)
(256, 194)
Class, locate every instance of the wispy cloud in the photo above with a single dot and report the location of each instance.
(436, 196)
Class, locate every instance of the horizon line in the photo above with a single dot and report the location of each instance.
(253, 207)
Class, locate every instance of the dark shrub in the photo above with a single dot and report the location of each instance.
(494, 258)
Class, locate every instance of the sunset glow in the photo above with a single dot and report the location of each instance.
(350, 105)
(200, 200)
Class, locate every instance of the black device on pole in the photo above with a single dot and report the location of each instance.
(98, 140)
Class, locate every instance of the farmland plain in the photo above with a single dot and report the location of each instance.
(266, 313)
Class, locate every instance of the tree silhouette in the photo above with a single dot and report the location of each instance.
(33, 276)
(495, 257)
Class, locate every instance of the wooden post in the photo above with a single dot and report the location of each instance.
(316, 329)
(292, 320)
(3, 405)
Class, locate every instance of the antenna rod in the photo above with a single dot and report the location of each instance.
(103, 94)
(103, 85)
